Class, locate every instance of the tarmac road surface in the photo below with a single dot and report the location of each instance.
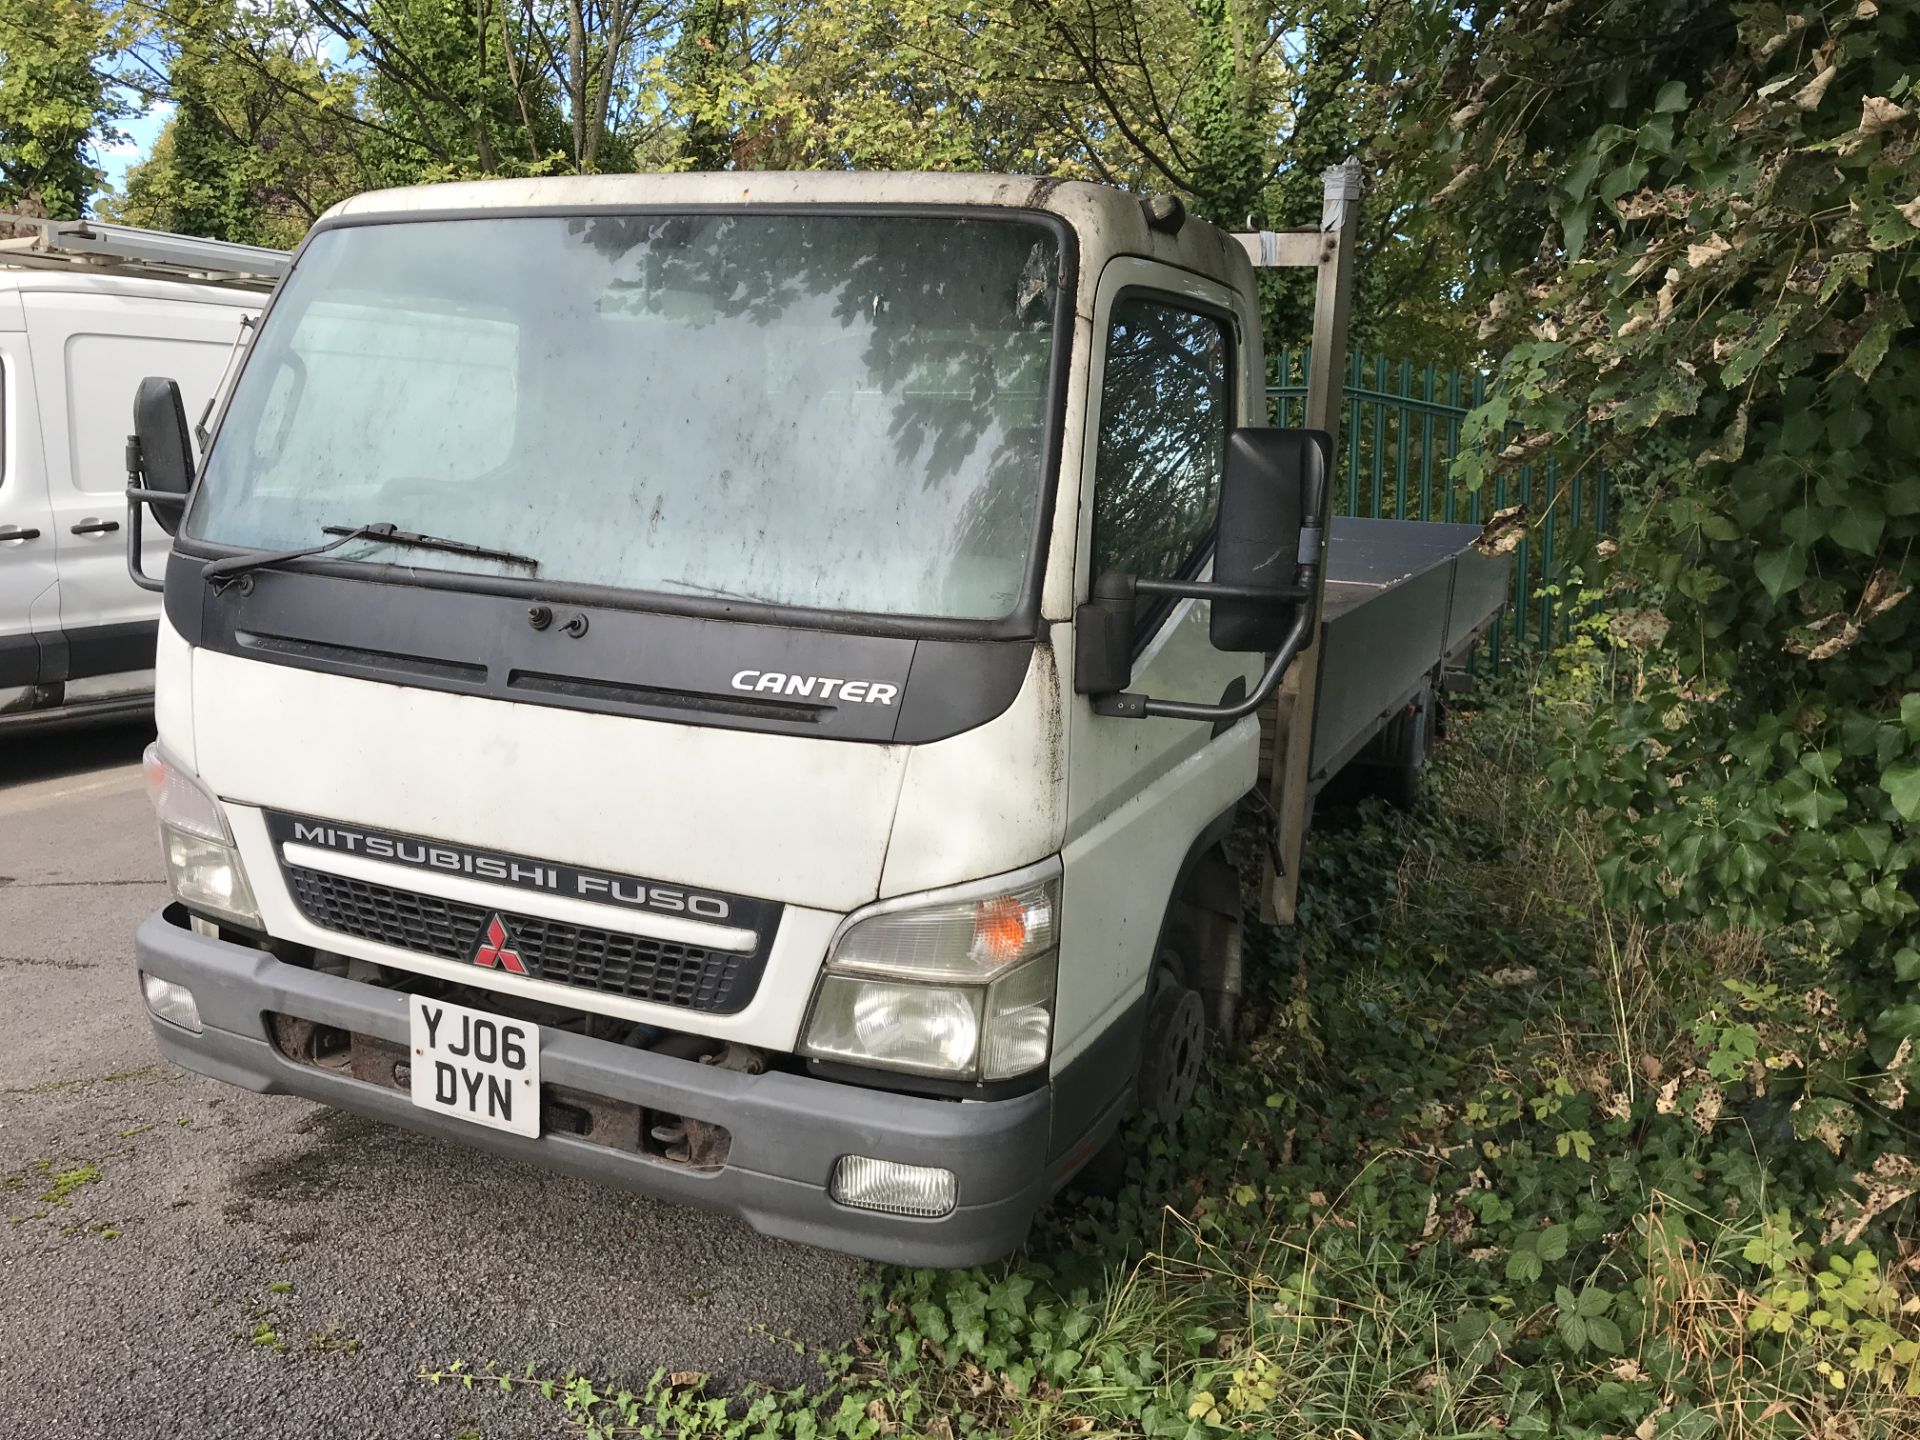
(183, 1259)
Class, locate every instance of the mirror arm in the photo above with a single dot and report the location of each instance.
(138, 496)
(139, 576)
(1214, 590)
(1127, 705)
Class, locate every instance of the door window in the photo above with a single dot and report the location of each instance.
(103, 372)
(1164, 414)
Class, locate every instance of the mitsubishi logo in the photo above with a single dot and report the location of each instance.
(493, 949)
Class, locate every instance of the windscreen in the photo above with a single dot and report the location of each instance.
(840, 412)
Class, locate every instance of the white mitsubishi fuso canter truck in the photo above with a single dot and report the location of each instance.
(735, 686)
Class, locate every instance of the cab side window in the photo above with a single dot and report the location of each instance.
(1165, 404)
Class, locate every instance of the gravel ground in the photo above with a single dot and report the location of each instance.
(216, 1263)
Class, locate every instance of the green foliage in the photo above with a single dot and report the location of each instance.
(282, 108)
(1712, 246)
(260, 142)
(54, 99)
(1847, 1299)
(678, 1404)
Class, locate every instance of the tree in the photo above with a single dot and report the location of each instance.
(265, 132)
(54, 100)
(487, 86)
(1708, 215)
(1237, 109)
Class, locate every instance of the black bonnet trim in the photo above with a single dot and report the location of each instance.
(728, 674)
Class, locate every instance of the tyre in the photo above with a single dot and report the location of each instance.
(1390, 766)
(1174, 1049)
(1173, 1053)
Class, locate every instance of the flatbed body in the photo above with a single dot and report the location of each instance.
(1405, 599)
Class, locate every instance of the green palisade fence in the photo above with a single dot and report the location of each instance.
(1398, 437)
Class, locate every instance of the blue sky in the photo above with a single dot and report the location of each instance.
(141, 131)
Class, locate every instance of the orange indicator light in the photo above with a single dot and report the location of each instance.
(1000, 928)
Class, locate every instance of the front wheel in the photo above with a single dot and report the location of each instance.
(1172, 1053)
(1174, 1047)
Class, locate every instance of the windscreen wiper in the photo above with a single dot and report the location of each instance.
(221, 573)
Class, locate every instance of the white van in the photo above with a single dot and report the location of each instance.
(86, 310)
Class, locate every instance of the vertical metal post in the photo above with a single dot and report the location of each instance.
(1453, 438)
(1577, 508)
(1293, 733)
(1426, 444)
(1356, 382)
(1496, 637)
(1544, 636)
(1523, 567)
(1473, 499)
(1379, 432)
(1402, 440)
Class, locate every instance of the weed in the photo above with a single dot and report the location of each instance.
(70, 1087)
(331, 1339)
(99, 1228)
(65, 1182)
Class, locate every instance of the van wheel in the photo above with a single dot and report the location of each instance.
(1399, 786)
(1181, 1020)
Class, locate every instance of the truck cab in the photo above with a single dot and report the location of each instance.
(686, 680)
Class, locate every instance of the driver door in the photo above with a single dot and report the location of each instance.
(1172, 381)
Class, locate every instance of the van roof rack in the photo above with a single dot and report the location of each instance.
(93, 246)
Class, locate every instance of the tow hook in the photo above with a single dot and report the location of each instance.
(694, 1142)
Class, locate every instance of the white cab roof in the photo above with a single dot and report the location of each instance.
(1106, 221)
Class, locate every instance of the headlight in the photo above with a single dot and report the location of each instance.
(203, 867)
(959, 985)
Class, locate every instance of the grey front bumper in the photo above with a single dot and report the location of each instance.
(788, 1130)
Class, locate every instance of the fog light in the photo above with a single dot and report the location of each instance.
(869, 1184)
(170, 1002)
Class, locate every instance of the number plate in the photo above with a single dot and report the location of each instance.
(480, 1067)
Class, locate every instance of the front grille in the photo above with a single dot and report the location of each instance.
(609, 962)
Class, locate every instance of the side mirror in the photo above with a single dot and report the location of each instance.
(1272, 493)
(1266, 578)
(160, 452)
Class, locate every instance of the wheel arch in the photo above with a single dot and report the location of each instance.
(1088, 1106)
